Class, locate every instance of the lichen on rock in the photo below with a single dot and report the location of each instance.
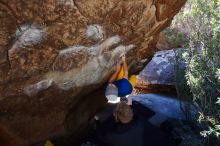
(97, 59)
(95, 32)
(28, 36)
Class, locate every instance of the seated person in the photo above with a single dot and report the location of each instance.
(119, 88)
(126, 128)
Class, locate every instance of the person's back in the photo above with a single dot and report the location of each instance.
(130, 134)
(125, 128)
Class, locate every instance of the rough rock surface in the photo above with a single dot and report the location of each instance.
(161, 69)
(54, 52)
(162, 43)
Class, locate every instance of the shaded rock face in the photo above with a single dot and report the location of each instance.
(171, 106)
(54, 52)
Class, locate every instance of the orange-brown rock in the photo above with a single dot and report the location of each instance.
(54, 52)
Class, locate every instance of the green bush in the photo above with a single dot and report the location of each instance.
(202, 74)
(175, 38)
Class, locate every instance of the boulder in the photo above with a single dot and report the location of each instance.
(53, 53)
(159, 75)
(160, 70)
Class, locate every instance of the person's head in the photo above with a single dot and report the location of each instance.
(123, 113)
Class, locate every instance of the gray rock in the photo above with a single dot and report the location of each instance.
(161, 69)
(165, 106)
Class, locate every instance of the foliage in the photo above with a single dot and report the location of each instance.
(201, 19)
(175, 38)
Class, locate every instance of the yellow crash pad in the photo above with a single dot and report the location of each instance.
(132, 80)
